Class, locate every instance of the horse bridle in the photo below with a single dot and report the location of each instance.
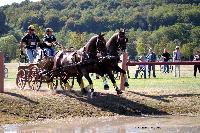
(124, 39)
(99, 41)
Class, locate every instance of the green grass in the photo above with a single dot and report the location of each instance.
(162, 81)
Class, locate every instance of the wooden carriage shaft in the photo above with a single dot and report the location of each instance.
(133, 63)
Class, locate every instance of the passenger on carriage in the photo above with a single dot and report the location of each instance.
(49, 42)
(30, 42)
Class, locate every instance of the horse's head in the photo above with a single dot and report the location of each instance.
(101, 44)
(117, 43)
(96, 45)
(122, 40)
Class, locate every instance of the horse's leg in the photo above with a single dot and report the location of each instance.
(81, 84)
(87, 76)
(118, 69)
(64, 79)
(50, 82)
(111, 76)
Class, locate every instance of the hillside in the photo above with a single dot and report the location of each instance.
(151, 22)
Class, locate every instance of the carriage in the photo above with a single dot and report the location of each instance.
(32, 75)
(28, 75)
(37, 73)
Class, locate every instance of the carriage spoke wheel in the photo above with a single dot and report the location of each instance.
(21, 79)
(35, 79)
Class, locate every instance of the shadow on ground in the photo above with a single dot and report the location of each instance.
(117, 104)
(21, 97)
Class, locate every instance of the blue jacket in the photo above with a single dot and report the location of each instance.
(151, 57)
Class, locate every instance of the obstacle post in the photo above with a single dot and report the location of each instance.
(124, 67)
(1, 72)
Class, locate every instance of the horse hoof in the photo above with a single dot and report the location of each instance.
(95, 94)
(106, 87)
(126, 84)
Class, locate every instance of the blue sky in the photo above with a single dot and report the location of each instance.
(8, 2)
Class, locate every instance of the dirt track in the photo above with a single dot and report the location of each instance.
(27, 105)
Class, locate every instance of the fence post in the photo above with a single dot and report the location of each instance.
(1, 72)
(124, 67)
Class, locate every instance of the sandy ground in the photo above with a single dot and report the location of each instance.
(27, 105)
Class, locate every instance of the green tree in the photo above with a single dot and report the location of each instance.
(140, 47)
(76, 40)
(9, 46)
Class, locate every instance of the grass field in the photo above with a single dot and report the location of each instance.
(162, 81)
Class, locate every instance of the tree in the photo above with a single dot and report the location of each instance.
(76, 40)
(140, 47)
(187, 50)
(3, 27)
(54, 22)
(9, 46)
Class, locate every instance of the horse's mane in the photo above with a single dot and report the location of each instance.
(112, 40)
(90, 44)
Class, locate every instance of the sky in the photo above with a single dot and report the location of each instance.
(8, 2)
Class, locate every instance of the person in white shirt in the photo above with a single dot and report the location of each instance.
(177, 58)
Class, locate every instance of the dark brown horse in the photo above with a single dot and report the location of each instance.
(73, 64)
(106, 64)
(116, 45)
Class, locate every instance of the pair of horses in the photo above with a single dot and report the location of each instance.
(97, 56)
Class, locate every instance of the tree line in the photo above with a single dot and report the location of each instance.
(149, 23)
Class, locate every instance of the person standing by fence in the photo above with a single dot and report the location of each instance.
(166, 57)
(151, 57)
(176, 58)
(196, 58)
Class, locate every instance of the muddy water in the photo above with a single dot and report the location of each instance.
(119, 124)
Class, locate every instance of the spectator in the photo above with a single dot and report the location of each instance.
(30, 42)
(141, 68)
(176, 58)
(196, 58)
(166, 57)
(151, 57)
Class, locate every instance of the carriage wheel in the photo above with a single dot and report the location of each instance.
(35, 79)
(21, 79)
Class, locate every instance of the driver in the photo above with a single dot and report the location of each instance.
(30, 40)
